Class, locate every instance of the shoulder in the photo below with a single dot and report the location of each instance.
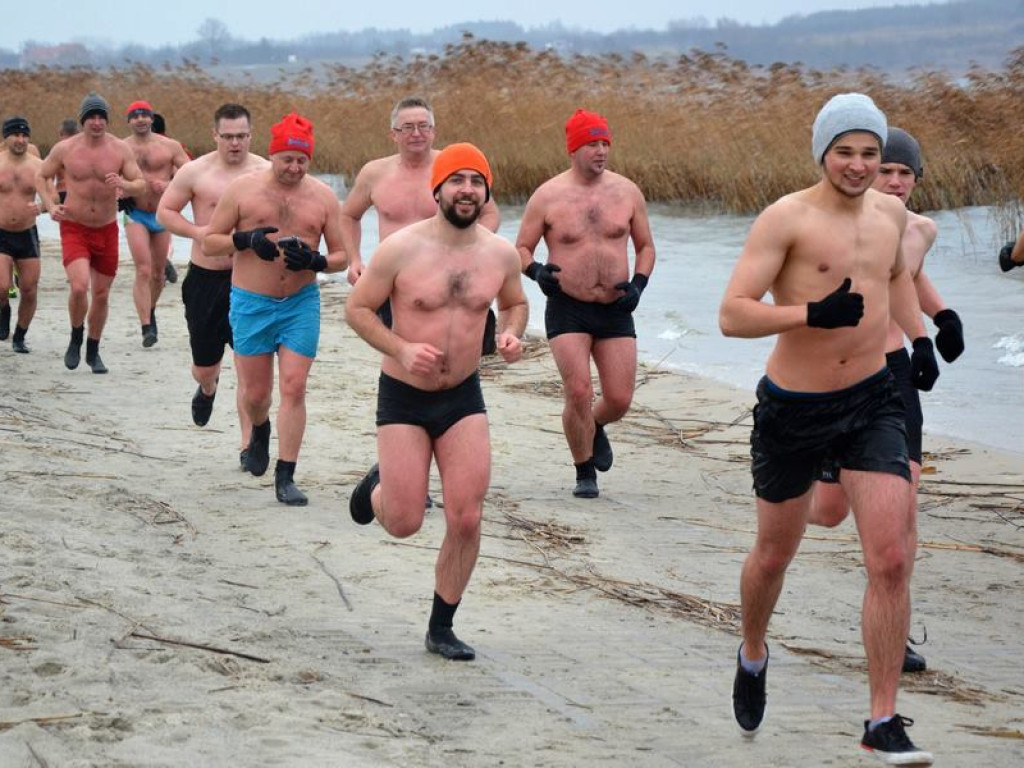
(550, 189)
(255, 162)
(374, 169)
(922, 224)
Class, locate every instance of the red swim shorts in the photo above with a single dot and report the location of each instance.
(97, 244)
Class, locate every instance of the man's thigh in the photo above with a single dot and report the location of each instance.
(463, 456)
(404, 452)
(572, 356)
(616, 364)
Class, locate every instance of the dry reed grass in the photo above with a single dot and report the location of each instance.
(703, 129)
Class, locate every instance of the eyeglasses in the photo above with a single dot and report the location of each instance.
(229, 137)
(407, 129)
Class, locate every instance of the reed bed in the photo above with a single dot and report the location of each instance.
(702, 129)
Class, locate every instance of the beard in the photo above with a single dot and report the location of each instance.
(462, 222)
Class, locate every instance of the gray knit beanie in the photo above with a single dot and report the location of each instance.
(902, 148)
(844, 113)
(91, 105)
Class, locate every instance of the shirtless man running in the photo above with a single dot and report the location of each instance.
(397, 186)
(898, 175)
(272, 221)
(159, 158)
(206, 290)
(831, 257)
(97, 167)
(19, 240)
(587, 215)
(441, 275)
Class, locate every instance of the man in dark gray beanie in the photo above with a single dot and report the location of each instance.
(831, 257)
(96, 166)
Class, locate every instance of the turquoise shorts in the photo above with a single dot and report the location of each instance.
(260, 324)
(145, 218)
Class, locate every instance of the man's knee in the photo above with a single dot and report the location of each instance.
(617, 403)
(890, 564)
(464, 520)
(579, 393)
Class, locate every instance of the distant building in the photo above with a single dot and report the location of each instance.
(63, 55)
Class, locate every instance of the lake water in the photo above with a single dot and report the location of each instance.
(979, 398)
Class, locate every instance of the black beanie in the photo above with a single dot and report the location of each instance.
(16, 125)
(902, 148)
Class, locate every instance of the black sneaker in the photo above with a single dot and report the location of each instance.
(749, 698)
(5, 321)
(586, 488)
(258, 458)
(170, 273)
(18, 343)
(243, 459)
(443, 642)
(286, 490)
(202, 406)
(95, 362)
(149, 337)
(602, 450)
(913, 661)
(359, 506)
(73, 356)
(890, 744)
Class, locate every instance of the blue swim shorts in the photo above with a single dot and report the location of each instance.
(145, 218)
(260, 324)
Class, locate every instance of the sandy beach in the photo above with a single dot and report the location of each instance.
(158, 606)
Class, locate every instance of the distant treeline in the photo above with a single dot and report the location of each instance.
(701, 129)
(950, 36)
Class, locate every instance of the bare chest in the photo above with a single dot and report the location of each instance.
(17, 181)
(91, 165)
(457, 286)
(153, 159)
(589, 218)
(402, 199)
(299, 213)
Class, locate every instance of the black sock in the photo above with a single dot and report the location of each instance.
(285, 468)
(586, 469)
(92, 348)
(443, 614)
(19, 333)
(77, 334)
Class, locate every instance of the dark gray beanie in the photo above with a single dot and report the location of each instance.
(91, 105)
(16, 124)
(902, 148)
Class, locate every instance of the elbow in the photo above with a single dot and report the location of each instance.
(727, 324)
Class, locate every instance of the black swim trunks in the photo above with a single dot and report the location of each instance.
(564, 314)
(899, 364)
(797, 435)
(20, 245)
(436, 412)
(207, 297)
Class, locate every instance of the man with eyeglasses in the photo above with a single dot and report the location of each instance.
(149, 243)
(206, 289)
(398, 187)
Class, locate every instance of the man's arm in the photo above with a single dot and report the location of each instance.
(173, 201)
(513, 311)
(742, 312)
(373, 289)
(337, 256)
(643, 241)
(44, 181)
(531, 230)
(217, 240)
(130, 181)
(357, 203)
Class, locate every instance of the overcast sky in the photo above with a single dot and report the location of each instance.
(153, 23)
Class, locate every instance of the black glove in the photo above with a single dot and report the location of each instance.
(1005, 262)
(299, 256)
(633, 288)
(950, 338)
(257, 240)
(544, 274)
(923, 368)
(837, 310)
(126, 204)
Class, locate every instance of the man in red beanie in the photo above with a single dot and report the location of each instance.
(586, 216)
(441, 276)
(159, 158)
(272, 221)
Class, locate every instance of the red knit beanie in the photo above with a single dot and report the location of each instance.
(138, 106)
(293, 133)
(584, 127)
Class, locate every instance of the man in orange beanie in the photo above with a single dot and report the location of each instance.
(441, 276)
(273, 221)
(587, 215)
(396, 186)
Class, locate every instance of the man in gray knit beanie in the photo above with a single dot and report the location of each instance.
(831, 257)
(93, 104)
